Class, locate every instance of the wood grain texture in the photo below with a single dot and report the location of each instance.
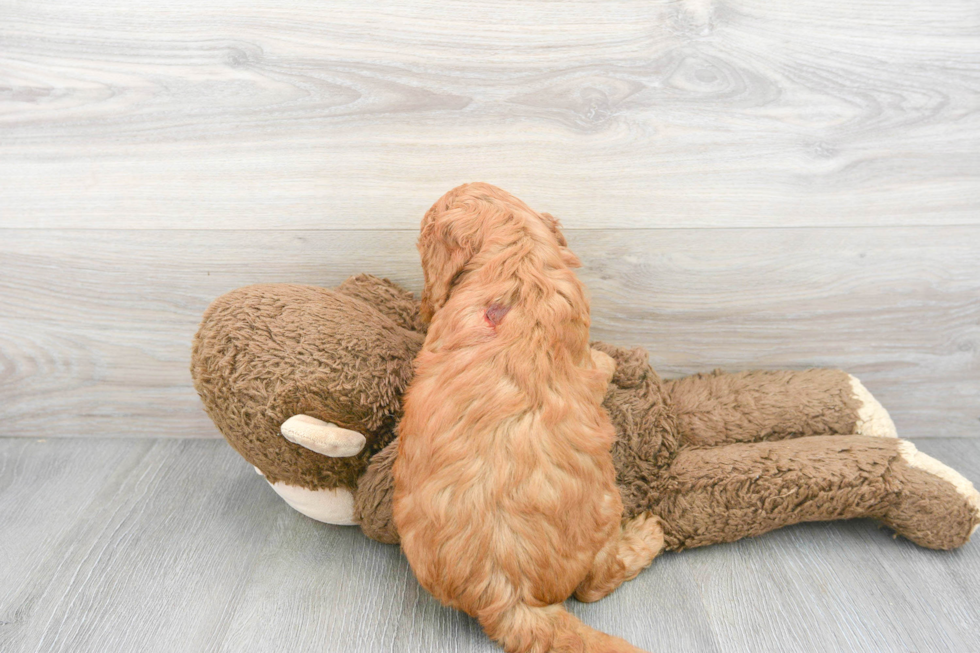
(162, 545)
(639, 113)
(96, 326)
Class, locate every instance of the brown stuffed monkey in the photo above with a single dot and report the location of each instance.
(306, 383)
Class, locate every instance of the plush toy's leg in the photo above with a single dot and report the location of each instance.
(719, 408)
(641, 540)
(721, 494)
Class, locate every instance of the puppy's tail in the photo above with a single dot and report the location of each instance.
(549, 629)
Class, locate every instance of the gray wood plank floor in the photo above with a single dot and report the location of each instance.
(176, 545)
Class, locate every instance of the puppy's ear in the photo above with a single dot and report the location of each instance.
(555, 227)
(444, 254)
(566, 254)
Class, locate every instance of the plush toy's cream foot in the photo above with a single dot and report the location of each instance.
(873, 419)
(937, 507)
(962, 485)
(329, 506)
(640, 541)
(322, 437)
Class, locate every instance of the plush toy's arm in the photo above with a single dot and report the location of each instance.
(374, 496)
(721, 494)
(721, 408)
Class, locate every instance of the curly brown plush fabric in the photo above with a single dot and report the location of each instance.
(716, 456)
(265, 353)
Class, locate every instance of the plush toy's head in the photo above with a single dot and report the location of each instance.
(266, 353)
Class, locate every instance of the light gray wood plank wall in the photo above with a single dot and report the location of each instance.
(95, 337)
(258, 114)
(749, 184)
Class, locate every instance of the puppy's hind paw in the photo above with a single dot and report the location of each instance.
(643, 540)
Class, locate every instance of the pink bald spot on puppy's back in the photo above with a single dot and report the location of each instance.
(495, 314)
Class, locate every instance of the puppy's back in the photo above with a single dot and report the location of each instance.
(505, 487)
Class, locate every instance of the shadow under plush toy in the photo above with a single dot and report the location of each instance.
(306, 383)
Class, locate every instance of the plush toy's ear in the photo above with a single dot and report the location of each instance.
(568, 257)
(446, 245)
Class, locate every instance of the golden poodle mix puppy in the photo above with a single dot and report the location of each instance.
(505, 491)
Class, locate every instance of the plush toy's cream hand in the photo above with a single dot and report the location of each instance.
(331, 506)
(605, 363)
(322, 437)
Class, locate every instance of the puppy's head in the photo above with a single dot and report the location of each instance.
(466, 220)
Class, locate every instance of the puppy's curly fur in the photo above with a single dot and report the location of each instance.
(505, 491)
